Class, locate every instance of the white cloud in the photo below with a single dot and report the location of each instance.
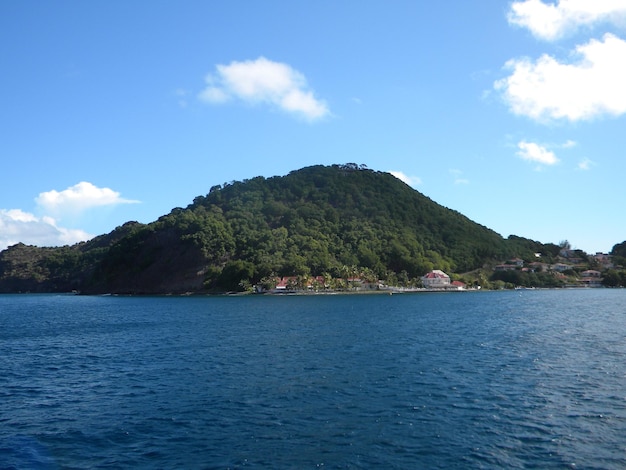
(536, 153)
(550, 21)
(548, 89)
(585, 164)
(18, 226)
(410, 180)
(78, 198)
(264, 81)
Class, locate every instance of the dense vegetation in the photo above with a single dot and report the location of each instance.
(318, 221)
(616, 277)
(619, 254)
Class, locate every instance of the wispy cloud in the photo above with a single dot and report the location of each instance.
(267, 82)
(547, 89)
(182, 95)
(410, 180)
(534, 152)
(585, 164)
(18, 226)
(79, 198)
(551, 21)
(458, 176)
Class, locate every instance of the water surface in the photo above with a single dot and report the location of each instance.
(524, 379)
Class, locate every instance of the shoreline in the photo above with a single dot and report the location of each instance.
(389, 291)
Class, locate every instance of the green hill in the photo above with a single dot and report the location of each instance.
(320, 220)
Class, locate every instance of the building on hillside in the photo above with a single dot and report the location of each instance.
(561, 267)
(605, 260)
(567, 253)
(591, 278)
(571, 256)
(436, 279)
(591, 273)
(538, 267)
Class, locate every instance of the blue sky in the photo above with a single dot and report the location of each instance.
(512, 113)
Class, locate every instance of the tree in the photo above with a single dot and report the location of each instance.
(611, 278)
(236, 276)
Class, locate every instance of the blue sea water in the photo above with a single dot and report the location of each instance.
(523, 379)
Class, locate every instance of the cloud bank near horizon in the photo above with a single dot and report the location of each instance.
(19, 226)
(267, 82)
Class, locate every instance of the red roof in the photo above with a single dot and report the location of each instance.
(436, 275)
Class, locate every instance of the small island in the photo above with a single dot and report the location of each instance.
(321, 228)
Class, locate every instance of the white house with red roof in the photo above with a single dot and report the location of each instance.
(435, 279)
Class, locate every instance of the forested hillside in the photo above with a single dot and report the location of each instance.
(319, 220)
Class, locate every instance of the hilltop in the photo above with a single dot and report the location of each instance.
(316, 221)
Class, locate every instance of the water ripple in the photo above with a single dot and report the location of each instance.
(484, 380)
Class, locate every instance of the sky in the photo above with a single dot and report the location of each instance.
(512, 113)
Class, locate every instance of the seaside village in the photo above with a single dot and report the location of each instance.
(570, 270)
(570, 262)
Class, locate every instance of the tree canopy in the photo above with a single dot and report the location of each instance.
(312, 222)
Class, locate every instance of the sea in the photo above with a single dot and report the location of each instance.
(458, 380)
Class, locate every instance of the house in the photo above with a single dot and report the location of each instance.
(567, 253)
(458, 285)
(591, 278)
(590, 273)
(572, 256)
(316, 283)
(538, 267)
(435, 279)
(605, 260)
(285, 283)
(561, 267)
